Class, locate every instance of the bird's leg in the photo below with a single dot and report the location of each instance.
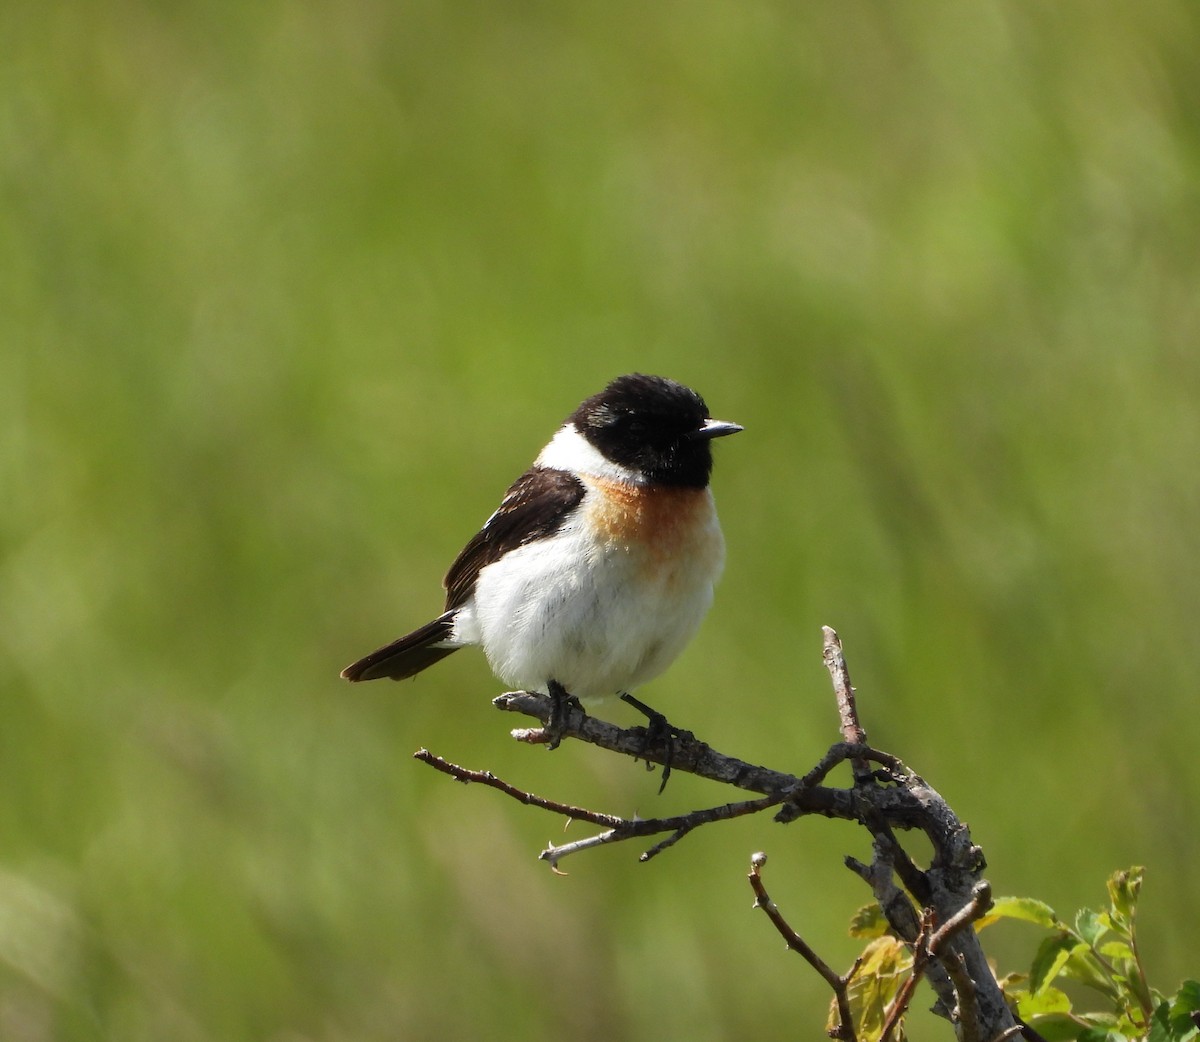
(561, 701)
(658, 729)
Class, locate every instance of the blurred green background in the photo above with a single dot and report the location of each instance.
(291, 291)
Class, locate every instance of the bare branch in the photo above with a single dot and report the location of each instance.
(679, 826)
(927, 946)
(684, 752)
(902, 1000)
(886, 798)
(835, 662)
(466, 776)
(839, 983)
(981, 901)
(853, 732)
(617, 828)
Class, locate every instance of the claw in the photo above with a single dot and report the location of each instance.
(658, 729)
(561, 701)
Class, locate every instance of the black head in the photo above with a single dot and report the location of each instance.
(653, 426)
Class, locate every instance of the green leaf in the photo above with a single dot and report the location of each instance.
(1082, 965)
(885, 963)
(1048, 1000)
(1186, 1002)
(1056, 1027)
(1117, 951)
(868, 922)
(1124, 889)
(1126, 974)
(1165, 1026)
(1160, 1024)
(1051, 957)
(1014, 986)
(1028, 909)
(1091, 926)
(1187, 999)
(1101, 1035)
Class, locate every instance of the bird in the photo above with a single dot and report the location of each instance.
(599, 564)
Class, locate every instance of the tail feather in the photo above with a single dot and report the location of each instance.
(408, 655)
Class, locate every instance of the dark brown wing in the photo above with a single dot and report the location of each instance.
(536, 505)
(409, 655)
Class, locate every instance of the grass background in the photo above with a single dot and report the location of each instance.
(292, 290)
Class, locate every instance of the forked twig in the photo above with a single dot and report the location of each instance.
(617, 828)
(928, 946)
(840, 983)
(886, 798)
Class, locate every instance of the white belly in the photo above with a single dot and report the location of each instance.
(598, 607)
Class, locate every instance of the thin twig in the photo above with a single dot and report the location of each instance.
(901, 1002)
(679, 826)
(664, 844)
(617, 828)
(1030, 1033)
(467, 776)
(853, 732)
(928, 945)
(839, 983)
(968, 1000)
(852, 729)
(977, 908)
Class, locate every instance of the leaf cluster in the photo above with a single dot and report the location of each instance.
(883, 966)
(1097, 954)
(1100, 952)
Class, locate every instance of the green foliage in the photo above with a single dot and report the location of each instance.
(869, 922)
(1100, 952)
(886, 962)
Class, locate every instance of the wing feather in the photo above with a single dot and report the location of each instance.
(535, 505)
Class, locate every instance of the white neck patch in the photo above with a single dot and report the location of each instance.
(571, 451)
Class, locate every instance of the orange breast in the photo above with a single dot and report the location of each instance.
(669, 524)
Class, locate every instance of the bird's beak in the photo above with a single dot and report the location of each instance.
(716, 429)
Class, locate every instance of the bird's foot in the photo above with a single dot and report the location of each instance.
(561, 703)
(659, 731)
